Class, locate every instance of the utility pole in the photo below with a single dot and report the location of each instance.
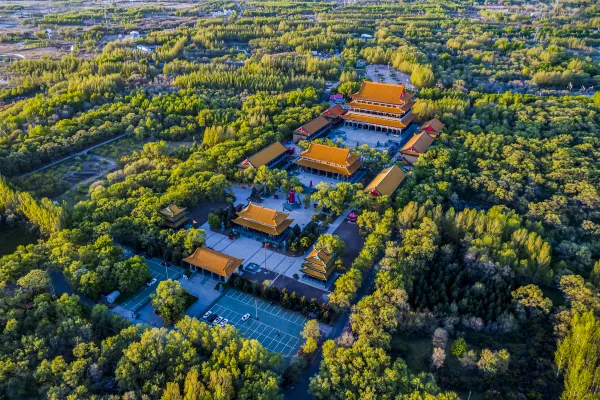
(256, 307)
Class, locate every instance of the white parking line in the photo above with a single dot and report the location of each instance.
(271, 343)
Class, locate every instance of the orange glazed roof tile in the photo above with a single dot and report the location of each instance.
(372, 119)
(313, 126)
(374, 107)
(418, 144)
(214, 261)
(382, 93)
(264, 156)
(387, 181)
(263, 215)
(346, 171)
(329, 154)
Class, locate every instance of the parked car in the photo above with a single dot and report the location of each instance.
(212, 317)
(223, 322)
(245, 317)
(151, 282)
(207, 314)
(164, 263)
(218, 320)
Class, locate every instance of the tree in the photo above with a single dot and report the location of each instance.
(422, 76)
(131, 274)
(595, 274)
(214, 221)
(578, 356)
(193, 239)
(530, 299)
(440, 338)
(331, 244)
(270, 179)
(493, 362)
(459, 347)
(367, 221)
(169, 301)
(311, 330)
(35, 281)
(438, 357)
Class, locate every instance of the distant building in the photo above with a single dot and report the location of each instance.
(433, 127)
(386, 183)
(264, 221)
(218, 265)
(366, 36)
(337, 98)
(144, 49)
(174, 217)
(312, 129)
(416, 145)
(381, 107)
(269, 156)
(112, 296)
(331, 162)
(134, 35)
(319, 265)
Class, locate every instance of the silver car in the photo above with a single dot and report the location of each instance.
(245, 317)
(218, 320)
(223, 323)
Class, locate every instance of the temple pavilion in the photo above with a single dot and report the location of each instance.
(386, 183)
(416, 145)
(269, 156)
(218, 265)
(174, 216)
(264, 221)
(381, 107)
(319, 265)
(331, 162)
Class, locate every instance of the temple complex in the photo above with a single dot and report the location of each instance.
(416, 145)
(332, 162)
(381, 107)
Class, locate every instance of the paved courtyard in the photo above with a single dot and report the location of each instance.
(383, 73)
(376, 140)
(277, 329)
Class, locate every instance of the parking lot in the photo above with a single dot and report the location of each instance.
(277, 329)
(159, 272)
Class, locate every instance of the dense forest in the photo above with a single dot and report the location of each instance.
(480, 276)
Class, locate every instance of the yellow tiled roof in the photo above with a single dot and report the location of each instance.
(313, 126)
(387, 181)
(346, 171)
(263, 219)
(374, 107)
(334, 155)
(172, 210)
(319, 257)
(371, 119)
(335, 112)
(418, 144)
(382, 93)
(214, 261)
(264, 156)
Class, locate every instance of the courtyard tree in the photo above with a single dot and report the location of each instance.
(331, 244)
(169, 301)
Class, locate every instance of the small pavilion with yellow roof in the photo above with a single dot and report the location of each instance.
(381, 107)
(214, 263)
(331, 162)
(319, 265)
(264, 221)
(174, 217)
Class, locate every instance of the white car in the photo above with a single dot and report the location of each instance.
(245, 317)
(223, 323)
(207, 314)
(218, 320)
(152, 282)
